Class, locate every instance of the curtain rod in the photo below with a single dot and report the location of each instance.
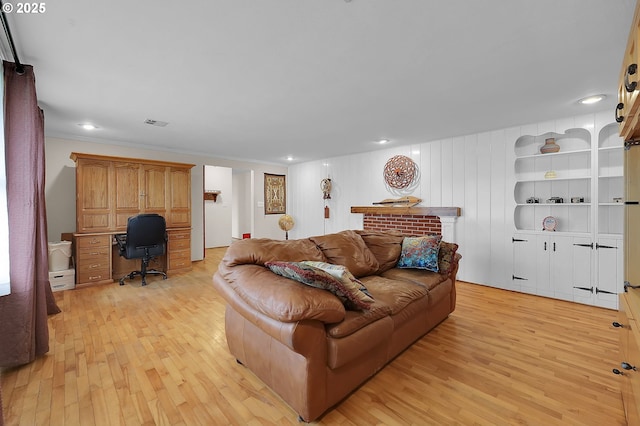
(7, 31)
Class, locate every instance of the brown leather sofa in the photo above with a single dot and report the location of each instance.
(300, 340)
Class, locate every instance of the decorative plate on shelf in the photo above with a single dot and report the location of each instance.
(549, 223)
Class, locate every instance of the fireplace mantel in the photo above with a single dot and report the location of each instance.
(411, 220)
(424, 211)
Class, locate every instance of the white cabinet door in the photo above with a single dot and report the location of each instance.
(582, 259)
(553, 265)
(610, 279)
(524, 263)
(544, 268)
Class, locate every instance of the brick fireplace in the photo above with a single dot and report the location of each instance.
(411, 220)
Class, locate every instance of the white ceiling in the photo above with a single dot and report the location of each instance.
(264, 79)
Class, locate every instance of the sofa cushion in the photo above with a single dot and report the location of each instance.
(340, 272)
(385, 246)
(349, 249)
(368, 343)
(420, 252)
(395, 294)
(446, 256)
(277, 297)
(348, 292)
(257, 251)
(421, 277)
(354, 321)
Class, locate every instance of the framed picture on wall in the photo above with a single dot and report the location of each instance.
(275, 194)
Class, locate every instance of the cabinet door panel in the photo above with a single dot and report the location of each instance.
(543, 267)
(155, 187)
(524, 265)
(127, 183)
(94, 191)
(610, 280)
(582, 261)
(629, 100)
(179, 205)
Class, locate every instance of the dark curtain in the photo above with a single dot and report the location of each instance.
(24, 332)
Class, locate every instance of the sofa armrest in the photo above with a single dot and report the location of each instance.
(452, 274)
(279, 298)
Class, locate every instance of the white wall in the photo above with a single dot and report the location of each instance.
(60, 186)
(242, 203)
(474, 172)
(217, 214)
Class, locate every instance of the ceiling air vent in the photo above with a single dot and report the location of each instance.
(155, 122)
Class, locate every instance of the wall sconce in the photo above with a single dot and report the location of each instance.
(211, 195)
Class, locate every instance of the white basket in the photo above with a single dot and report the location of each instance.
(59, 255)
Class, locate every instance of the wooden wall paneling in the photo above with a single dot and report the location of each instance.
(498, 250)
(546, 127)
(353, 168)
(424, 163)
(316, 203)
(473, 262)
(459, 151)
(435, 175)
(446, 152)
(484, 234)
(305, 198)
(511, 135)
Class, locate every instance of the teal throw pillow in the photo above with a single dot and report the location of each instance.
(420, 252)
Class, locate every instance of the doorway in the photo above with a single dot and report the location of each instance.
(229, 216)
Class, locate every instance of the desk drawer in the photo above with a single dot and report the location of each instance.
(94, 274)
(93, 265)
(90, 254)
(179, 259)
(179, 244)
(93, 241)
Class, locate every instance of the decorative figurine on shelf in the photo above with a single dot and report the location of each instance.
(549, 146)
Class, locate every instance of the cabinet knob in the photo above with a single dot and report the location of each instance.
(617, 324)
(631, 69)
(627, 366)
(618, 372)
(619, 118)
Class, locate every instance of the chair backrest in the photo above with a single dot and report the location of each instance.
(145, 231)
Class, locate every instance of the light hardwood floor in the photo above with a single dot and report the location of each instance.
(157, 355)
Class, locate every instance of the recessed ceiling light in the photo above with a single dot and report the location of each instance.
(591, 99)
(88, 126)
(383, 141)
(289, 158)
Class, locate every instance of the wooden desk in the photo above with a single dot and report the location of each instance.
(109, 190)
(98, 260)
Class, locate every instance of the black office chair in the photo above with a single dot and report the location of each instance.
(146, 238)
